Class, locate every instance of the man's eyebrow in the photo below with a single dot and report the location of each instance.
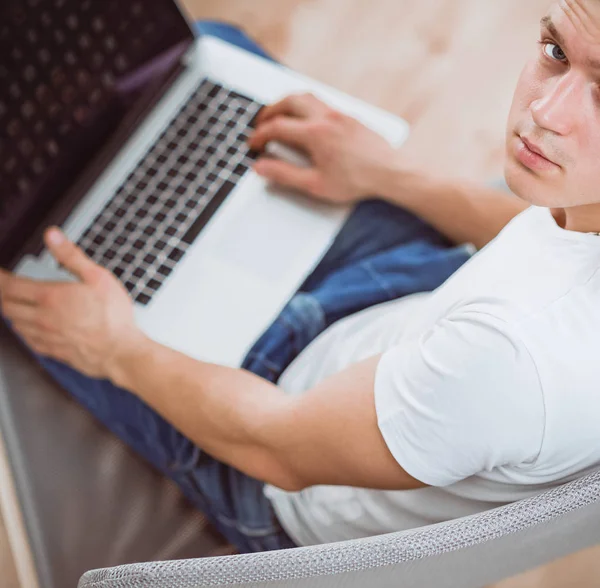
(549, 25)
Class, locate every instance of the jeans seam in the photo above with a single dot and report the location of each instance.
(262, 358)
(377, 278)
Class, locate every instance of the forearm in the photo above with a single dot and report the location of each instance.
(465, 212)
(230, 413)
(328, 435)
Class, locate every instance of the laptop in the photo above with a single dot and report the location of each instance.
(119, 125)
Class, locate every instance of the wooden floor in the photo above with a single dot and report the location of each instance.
(448, 66)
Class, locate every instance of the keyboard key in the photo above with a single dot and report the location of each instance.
(208, 212)
(240, 169)
(176, 255)
(143, 299)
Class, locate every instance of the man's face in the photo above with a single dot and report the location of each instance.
(556, 110)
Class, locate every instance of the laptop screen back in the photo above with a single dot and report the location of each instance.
(74, 77)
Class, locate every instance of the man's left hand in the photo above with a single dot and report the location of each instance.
(84, 324)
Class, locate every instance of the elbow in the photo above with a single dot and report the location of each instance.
(293, 485)
(289, 482)
(286, 478)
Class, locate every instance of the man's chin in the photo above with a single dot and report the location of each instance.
(527, 185)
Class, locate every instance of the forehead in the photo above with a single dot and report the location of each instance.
(576, 20)
(575, 25)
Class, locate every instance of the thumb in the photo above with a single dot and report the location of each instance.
(290, 176)
(71, 257)
(5, 278)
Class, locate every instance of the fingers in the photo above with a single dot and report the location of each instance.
(15, 288)
(287, 130)
(32, 327)
(19, 312)
(296, 105)
(290, 176)
(70, 256)
(33, 333)
(29, 319)
(40, 343)
(35, 343)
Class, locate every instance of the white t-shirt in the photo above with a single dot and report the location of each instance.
(488, 388)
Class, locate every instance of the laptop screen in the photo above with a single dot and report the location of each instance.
(74, 77)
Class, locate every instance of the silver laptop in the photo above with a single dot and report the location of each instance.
(121, 126)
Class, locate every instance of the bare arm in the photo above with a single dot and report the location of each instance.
(465, 212)
(352, 163)
(329, 435)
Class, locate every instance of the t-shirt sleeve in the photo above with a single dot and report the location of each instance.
(462, 399)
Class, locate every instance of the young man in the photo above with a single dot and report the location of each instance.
(418, 410)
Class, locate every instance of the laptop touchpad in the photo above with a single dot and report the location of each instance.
(276, 234)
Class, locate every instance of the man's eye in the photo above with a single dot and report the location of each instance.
(554, 52)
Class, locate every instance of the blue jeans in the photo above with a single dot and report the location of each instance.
(382, 253)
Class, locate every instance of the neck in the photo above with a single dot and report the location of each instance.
(583, 219)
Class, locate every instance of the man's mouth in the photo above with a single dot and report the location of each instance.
(533, 156)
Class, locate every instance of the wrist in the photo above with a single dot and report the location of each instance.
(127, 355)
(403, 186)
(383, 179)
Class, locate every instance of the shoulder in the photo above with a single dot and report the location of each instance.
(466, 345)
(453, 394)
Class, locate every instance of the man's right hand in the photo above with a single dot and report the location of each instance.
(347, 157)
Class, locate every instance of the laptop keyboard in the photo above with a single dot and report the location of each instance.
(157, 213)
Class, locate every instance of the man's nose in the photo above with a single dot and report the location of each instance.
(557, 110)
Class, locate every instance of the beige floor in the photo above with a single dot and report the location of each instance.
(448, 67)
